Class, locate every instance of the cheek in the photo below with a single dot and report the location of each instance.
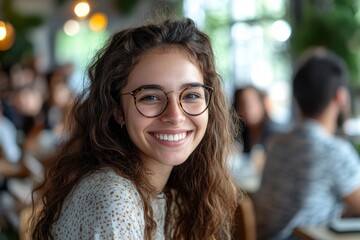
(201, 124)
(136, 132)
(135, 123)
(130, 112)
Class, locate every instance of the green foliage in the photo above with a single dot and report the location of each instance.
(331, 24)
(218, 27)
(125, 6)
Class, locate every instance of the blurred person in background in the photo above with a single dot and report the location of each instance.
(55, 109)
(252, 106)
(10, 151)
(59, 100)
(27, 93)
(10, 167)
(310, 173)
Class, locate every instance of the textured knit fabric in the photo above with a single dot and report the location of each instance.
(307, 173)
(106, 206)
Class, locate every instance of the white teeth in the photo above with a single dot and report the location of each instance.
(171, 137)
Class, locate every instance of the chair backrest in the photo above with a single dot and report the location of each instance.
(245, 222)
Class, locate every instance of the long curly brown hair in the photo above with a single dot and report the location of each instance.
(205, 196)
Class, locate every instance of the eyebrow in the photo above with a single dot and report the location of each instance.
(185, 85)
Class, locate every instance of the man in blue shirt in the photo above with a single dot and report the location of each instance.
(310, 173)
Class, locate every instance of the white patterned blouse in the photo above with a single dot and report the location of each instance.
(105, 205)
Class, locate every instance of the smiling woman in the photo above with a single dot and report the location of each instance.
(147, 153)
(164, 114)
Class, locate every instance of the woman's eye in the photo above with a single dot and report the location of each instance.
(150, 98)
(191, 96)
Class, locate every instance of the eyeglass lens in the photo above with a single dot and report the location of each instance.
(151, 102)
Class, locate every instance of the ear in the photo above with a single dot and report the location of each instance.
(343, 99)
(342, 96)
(119, 117)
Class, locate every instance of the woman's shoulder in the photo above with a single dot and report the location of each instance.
(103, 203)
(100, 193)
(104, 183)
(105, 176)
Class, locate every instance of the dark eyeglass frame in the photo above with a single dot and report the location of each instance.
(139, 89)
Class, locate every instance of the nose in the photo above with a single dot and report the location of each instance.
(173, 112)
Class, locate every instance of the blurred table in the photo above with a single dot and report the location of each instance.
(323, 233)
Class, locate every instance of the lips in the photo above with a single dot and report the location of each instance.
(171, 137)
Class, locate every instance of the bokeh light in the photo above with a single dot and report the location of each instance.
(71, 28)
(281, 30)
(82, 9)
(7, 36)
(98, 22)
(2, 30)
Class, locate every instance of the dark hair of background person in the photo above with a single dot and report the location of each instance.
(205, 195)
(316, 81)
(240, 90)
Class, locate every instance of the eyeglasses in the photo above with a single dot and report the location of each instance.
(151, 101)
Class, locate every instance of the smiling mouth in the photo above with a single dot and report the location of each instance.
(171, 137)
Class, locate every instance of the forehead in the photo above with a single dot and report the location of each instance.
(169, 67)
(249, 93)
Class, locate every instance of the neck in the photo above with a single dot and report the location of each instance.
(328, 118)
(158, 176)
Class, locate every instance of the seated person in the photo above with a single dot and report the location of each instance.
(258, 127)
(310, 173)
(10, 152)
(250, 103)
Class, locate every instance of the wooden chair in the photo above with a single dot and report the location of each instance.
(245, 222)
